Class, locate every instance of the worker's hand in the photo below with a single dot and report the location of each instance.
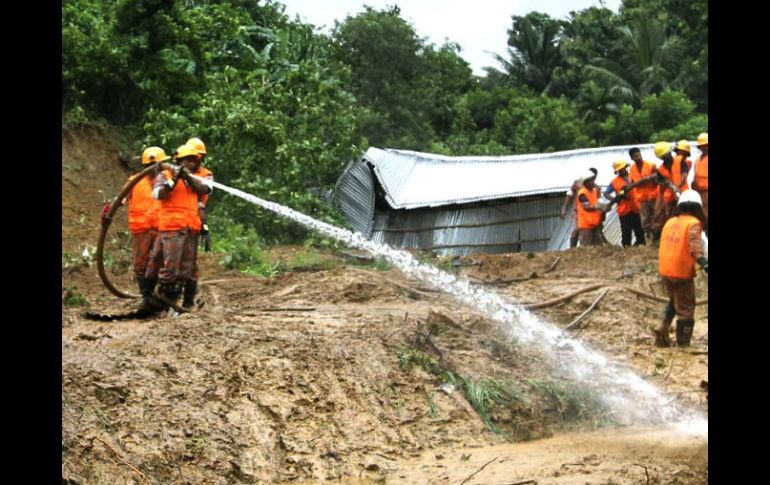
(206, 238)
(704, 263)
(622, 193)
(105, 211)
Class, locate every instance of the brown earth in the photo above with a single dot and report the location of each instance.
(296, 378)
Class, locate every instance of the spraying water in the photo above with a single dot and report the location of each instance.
(629, 397)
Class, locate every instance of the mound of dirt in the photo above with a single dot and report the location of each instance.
(354, 375)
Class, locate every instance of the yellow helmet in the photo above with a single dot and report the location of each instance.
(703, 139)
(619, 165)
(185, 151)
(662, 148)
(197, 144)
(683, 145)
(153, 154)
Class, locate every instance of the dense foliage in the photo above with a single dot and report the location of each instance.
(283, 107)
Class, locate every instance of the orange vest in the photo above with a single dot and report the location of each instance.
(203, 172)
(674, 175)
(644, 192)
(174, 211)
(194, 221)
(629, 203)
(142, 208)
(674, 257)
(702, 173)
(588, 219)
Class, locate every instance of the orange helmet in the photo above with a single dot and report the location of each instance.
(153, 154)
(197, 144)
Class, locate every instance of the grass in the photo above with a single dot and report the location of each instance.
(482, 395)
(73, 298)
(570, 402)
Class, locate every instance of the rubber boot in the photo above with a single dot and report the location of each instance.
(190, 288)
(141, 281)
(168, 292)
(661, 332)
(684, 329)
(147, 289)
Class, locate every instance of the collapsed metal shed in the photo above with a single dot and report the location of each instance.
(462, 205)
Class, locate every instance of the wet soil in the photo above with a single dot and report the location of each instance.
(300, 378)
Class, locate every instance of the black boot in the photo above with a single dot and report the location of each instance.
(684, 332)
(141, 282)
(190, 288)
(169, 293)
(147, 288)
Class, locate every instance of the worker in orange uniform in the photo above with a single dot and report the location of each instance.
(680, 249)
(701, 181)
(590, 212)
(628, 206)
(178, 194)
(672, 179)
(570, 196)
(197, 227)
(142, 222)
(645, 193)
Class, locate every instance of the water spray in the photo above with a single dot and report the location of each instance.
(628, 396)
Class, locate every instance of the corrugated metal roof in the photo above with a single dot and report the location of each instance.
(354, 194)
(413, 179)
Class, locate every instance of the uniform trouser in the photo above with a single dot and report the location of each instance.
(188, 269)
(141, 247)
(663, 212)
(681, 292)
(591, 237)
(647, 214)
(631, 222)
(166, 257)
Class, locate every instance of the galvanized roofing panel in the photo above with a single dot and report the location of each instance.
(354, 195)
(413, 179)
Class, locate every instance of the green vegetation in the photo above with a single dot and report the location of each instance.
(283, 107)
(73, 298)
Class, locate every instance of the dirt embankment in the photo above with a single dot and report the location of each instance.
(345, 376)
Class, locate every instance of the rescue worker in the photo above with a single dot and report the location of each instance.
(178, 194)
(576, 186)
(672, 178)
(701, 181)
(197, 227)
(680, 249)
(645, 193)
(628, 208)
(589, 212)
(143, 223)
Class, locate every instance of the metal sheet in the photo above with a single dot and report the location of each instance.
(354, 196)
(413, 179)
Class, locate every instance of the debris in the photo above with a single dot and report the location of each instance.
(477, 471)
(583, 315)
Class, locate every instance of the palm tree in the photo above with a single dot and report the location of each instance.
(534, 51)
(646, 61)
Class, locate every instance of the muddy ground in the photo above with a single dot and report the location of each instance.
(354, 374)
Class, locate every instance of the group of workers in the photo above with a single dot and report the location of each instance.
(654, 203)
(167, 218)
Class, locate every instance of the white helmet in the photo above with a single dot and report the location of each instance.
(690, 196)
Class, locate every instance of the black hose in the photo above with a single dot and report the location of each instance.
(116, 204)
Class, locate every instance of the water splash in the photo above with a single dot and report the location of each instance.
(631, 399)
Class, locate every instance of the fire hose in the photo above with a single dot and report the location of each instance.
(107, 220)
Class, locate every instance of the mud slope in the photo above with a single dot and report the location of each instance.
(353, 375)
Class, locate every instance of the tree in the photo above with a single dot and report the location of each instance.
(534, 51)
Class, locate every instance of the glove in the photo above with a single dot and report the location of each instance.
(704, 263)
(622, 193)
(105, 210)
